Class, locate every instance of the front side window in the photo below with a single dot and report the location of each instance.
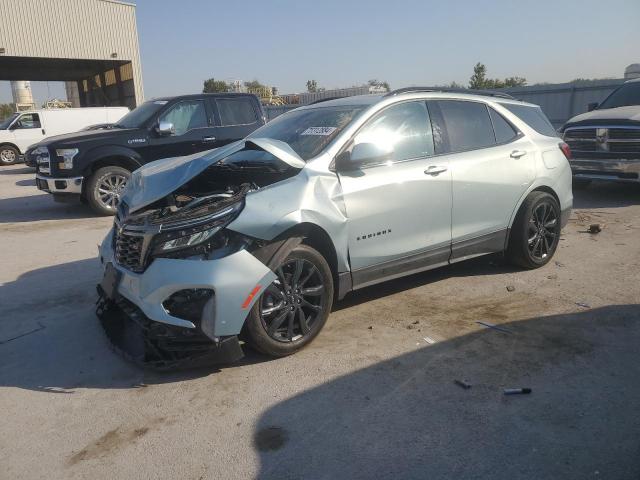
(403, 128)
(308, 131)
(186, 116)
(28, 120)
(467, 124)
(137, 117)
(236, 111)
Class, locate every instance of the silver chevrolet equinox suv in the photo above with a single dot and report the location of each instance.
(254, 241)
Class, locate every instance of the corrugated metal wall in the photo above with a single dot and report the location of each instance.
(76, 29)
(562, 101)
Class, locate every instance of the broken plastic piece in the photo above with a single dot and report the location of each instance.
(463, 383)
(517, 391)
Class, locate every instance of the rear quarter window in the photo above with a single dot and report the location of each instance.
(533, 117)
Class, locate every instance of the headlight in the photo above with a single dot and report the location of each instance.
(40, 154)
(188, 240)
(67, 155)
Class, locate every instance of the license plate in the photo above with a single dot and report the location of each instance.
(42, 184)
(110, 281)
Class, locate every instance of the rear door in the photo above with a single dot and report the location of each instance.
(492, 165)
(235, 117)
(399, 211)
(192, 131)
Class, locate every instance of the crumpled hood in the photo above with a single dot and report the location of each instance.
(155, 180)
(621, 113)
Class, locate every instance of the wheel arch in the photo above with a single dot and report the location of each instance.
(117, 160)
(538, 188)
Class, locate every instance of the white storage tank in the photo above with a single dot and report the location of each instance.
(632, 71)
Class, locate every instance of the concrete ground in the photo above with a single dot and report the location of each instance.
(372, 397)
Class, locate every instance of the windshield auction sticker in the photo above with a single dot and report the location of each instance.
(321, 131)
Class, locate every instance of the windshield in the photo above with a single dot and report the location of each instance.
(624, 96)
(6, 122)
(309, 131)
(138, 117)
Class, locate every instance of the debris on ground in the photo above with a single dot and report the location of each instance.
(559, 264)
(370, 327)
(511, 288)
(516, 391)
(416, 322)
(595, 228)
(495, 327)
(463, 383)
(552, 277)
(583, 305)
(429, 340)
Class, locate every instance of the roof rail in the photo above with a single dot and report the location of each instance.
(487, 93)
(324, 100)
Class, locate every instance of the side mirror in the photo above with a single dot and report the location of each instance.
(592, 106)
(370, 153)
(165, 129)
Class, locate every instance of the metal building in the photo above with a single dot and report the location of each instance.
(91, 43)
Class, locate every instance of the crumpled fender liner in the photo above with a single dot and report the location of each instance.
(274, 253)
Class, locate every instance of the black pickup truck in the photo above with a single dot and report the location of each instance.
(93, 166)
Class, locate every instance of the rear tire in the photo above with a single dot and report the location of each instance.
(535, 233)
(294, 308)
(9, 155)
(104, 188)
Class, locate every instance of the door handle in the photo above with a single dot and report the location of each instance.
(435, 170)
(518, 154)
(208, 139)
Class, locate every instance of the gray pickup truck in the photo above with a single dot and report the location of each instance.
(605, 141)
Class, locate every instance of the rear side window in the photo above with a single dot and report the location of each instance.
(405, 127)
(235, 111)
(533, 117)
(503, 129)
(467, 124)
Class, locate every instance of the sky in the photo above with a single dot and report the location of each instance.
(344, 43)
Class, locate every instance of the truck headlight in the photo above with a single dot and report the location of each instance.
(40, 154)
(67, 155)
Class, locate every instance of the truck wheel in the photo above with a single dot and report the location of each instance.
(535, 233)
(8, 155)
(294, 308)
(104, 188)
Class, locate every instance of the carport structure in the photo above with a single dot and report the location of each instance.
(90, 44)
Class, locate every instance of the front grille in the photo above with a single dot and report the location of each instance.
(605, 141)
(129, 251)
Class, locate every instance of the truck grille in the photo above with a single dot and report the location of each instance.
(607, 140)
(129, 251)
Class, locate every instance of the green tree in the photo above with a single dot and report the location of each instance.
(377, 83)
(312, 86)
(212, 86)
(6, 110)
(253, 85)
(479, 80)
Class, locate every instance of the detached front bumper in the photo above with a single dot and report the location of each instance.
(235, 282)
(619, 170)
(71, 185)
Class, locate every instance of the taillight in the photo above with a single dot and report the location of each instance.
(565, 149)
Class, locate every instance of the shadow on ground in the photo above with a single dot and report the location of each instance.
(607, 195)
(24, 170)
(40, 207)
(405, 417)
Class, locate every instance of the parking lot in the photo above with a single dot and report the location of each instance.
(373, 396)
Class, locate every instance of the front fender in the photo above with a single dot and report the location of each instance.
(106, 151)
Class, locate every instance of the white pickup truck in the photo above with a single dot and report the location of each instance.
(23, 129)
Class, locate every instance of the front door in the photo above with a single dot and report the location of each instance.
(27, 130)
(399, 211)
(192, 132)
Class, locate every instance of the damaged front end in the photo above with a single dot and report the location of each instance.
(178, 284)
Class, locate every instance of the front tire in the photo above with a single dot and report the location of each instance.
(104, 188)
(9, 155)
(294, 308)
(535, 232)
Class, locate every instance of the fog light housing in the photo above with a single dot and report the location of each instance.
(188, 304)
